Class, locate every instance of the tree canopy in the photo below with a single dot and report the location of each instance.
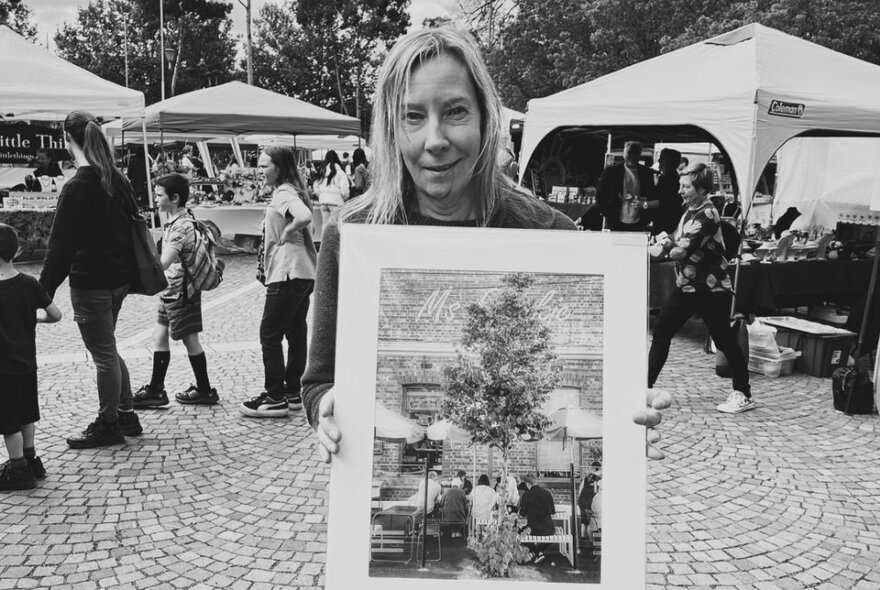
(17, 16)
(548, 46)
(199, 32)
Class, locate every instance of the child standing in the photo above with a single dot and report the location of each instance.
(180, 304)
(21, 296)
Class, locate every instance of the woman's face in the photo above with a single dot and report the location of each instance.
(270, 171)
(689, 194)
(440, 133)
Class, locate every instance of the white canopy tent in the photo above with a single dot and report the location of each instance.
(235, 108)
(750, 90)
(36, 85)
(827, 178)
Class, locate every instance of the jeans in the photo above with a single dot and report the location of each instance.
(284, 316)
(715, 311)
(95, 312)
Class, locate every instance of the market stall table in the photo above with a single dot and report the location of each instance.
(770, 287)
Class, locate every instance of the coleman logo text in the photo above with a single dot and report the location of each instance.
(786, 109)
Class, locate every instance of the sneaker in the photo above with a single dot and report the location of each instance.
(196, 396)
(294, 401)
(36, 466)
(539, 558)
(737, 402)
(146, 398)
(17, 476)
(129, 424)
(264, 407)
(98, 434)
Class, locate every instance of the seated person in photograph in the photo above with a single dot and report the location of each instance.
(538, 508)
(669, 206)
(46, 166)
(454, 510)
(434, 491)
(484, 499)
(463, 482)
(625, 190)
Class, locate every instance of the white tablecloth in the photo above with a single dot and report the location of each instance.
(245, 219)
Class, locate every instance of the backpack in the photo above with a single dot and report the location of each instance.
(206, 270)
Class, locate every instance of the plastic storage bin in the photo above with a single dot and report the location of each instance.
(823, 348)
(773, 366)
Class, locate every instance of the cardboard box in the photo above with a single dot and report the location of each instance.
(823, 348)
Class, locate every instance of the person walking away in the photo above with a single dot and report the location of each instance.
(703, 286)
(180, 304)
(23, 304)
(360, 175)
(332, 186)
(90, 240)
(286, 266)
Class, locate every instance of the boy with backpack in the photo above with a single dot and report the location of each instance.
(190, 267)
(20, 298)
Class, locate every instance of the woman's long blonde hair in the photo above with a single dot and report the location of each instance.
(392, 186)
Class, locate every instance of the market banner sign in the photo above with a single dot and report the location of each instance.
(19, 143)
(780, 108)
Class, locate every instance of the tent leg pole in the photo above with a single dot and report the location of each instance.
(149, 180)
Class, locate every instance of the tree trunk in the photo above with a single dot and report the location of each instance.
(339, 83)
(181, 37)
(250, 46)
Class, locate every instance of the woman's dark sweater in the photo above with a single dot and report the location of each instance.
(90, 238)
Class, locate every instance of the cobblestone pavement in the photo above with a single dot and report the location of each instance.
(785, 496)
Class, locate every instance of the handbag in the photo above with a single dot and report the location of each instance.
(148, 276)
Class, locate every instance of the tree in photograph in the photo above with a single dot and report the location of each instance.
(16, 15)
(496, 391)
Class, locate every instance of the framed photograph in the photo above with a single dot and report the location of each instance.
(429, 319)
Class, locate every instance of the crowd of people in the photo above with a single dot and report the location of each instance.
(458, 504)
(436, 145)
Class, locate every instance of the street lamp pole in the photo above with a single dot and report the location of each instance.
(162, 45)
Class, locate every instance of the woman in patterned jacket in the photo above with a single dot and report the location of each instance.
(702, 285)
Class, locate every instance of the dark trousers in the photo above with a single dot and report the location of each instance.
(95, 312)
(715, 311)
(284, 316)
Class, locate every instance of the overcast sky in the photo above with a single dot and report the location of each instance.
(50, 15)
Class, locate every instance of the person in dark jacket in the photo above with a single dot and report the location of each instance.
(537, 506)
(626, 191)
(669, 206)
(91, 243)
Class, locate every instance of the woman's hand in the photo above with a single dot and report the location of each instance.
(327, 432)
(656, 400)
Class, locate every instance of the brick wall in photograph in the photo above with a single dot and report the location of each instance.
(421, 318)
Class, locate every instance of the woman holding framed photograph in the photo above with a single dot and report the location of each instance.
(437, 129)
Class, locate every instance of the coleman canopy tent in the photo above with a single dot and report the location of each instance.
(749, 90)
(36, 85)
(235, 108)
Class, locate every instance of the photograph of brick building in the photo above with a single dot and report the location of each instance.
(421, 317)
